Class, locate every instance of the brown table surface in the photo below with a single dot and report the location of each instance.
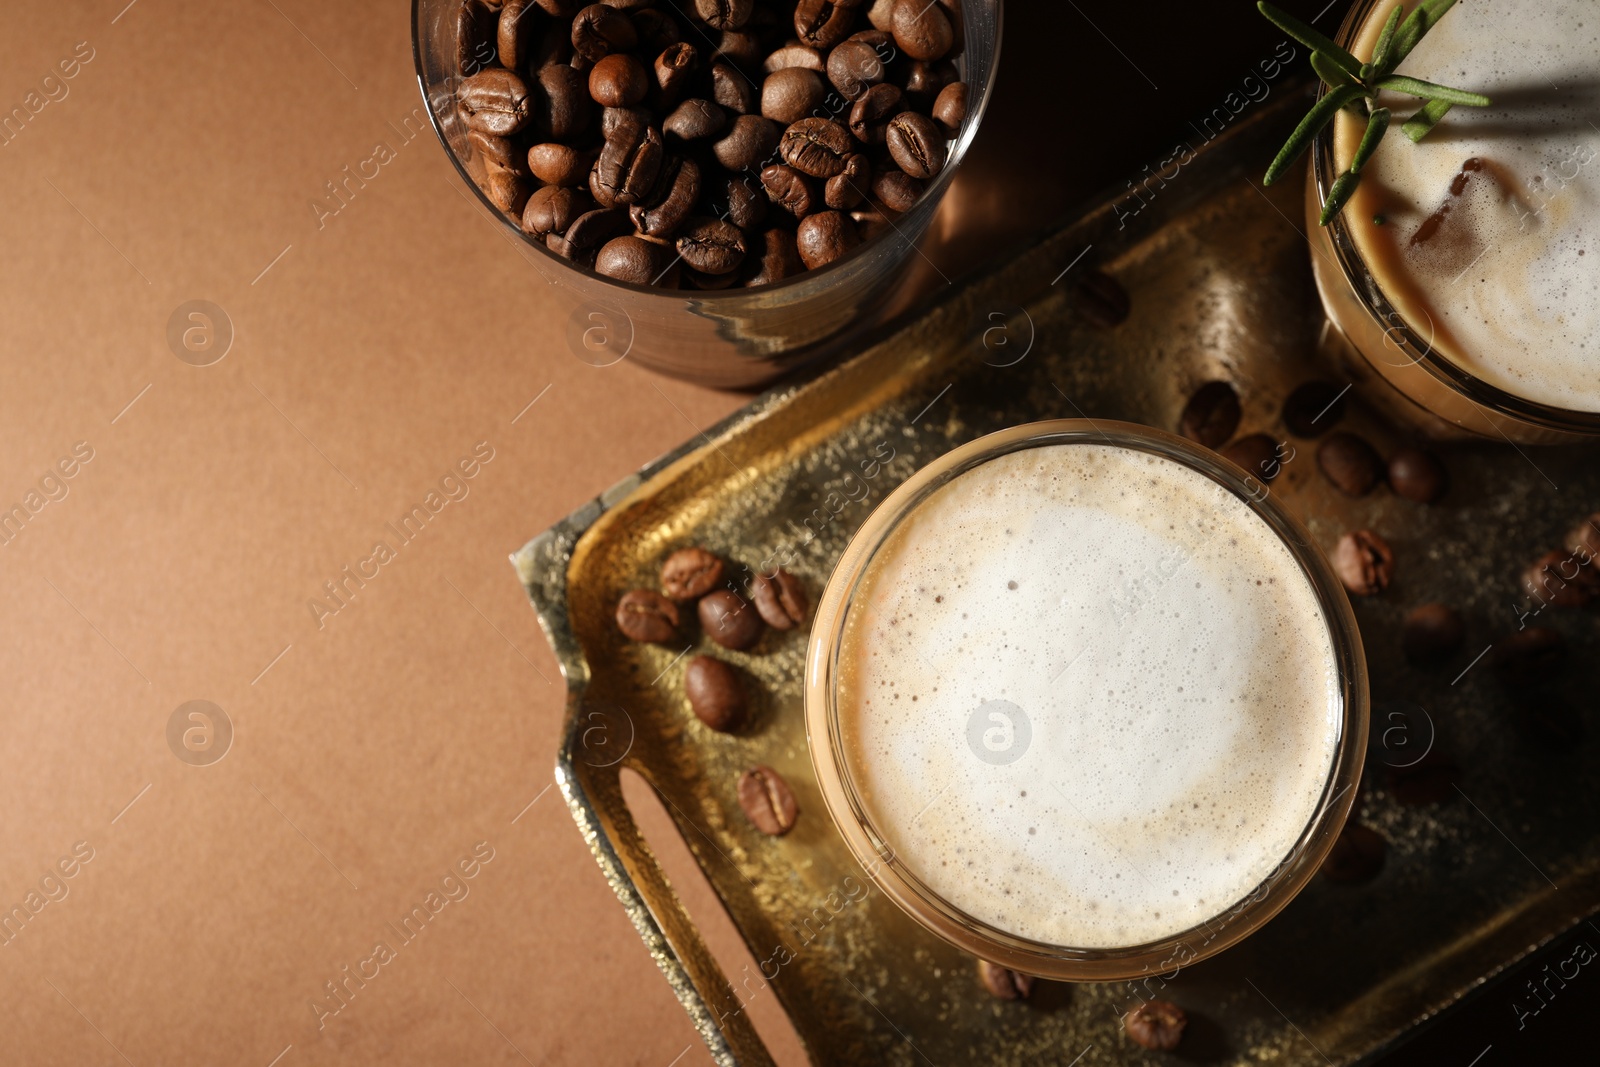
(378, 746)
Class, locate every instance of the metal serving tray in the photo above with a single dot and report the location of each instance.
(1220, 288)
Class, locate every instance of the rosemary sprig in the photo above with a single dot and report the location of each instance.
(1355, 85)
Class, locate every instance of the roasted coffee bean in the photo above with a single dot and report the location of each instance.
(870, 115)
(1313, 408)
(476, 26)
(695, 119)
(825, 236)
(1350, 463)
(724, 14)
(823, 23)
(694, 279)
(1558, 580)
(553, 209)
(496, 151)
(795, 54)
(916, 144)
(1102, 300)
(655, 29)
(598, 31)
(880, 13)
(675, 68)
(725, 616)
(646, 615)
(870, 222)
(734, 91)
(563, 109)
(676, 191)
(495, 101)
(1529, 654)
(618, 81)
(789, 189)
(591, 230)
(1432, 633)
(958, 27)
(854, 67)
(1211, 416)
(627, 259)
(747, 143)
(742, 49)
(715, 693)
(561, 9)
(768, 801)
(1364, 562)
(1155, 1024)
(1583, 540)
(557, 164)
(816, 146)
(1257, 454)
(690, 573)
(712, 246)
(895, 190)
(613, 119)
(848, 188)
(628, 165)
(518, 32)
(790, 94)
(925, 81)
(921, 29)
(1416, 475)
(1357, 855)
(1430, 780)
(553, 46)
(747, 203)
(506, 190)
(1004, 983)
(950, 108)
(781, 599)
(779, 258)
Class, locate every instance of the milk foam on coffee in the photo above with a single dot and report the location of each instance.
(1170, 660)
(1492, 235)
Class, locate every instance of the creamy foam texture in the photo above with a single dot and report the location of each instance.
(1507, 273)
(1174, 666)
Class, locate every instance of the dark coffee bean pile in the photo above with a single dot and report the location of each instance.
(709, 143)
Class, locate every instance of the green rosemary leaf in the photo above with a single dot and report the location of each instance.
(1329, 71)
(1311, 38)
(1424, 18)
(1380, 53)
(1377, 126)
(1429, 91)
(1315, 119)
(1344, 185)
(1422, 123)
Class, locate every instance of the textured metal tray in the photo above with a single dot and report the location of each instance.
(1220, 286)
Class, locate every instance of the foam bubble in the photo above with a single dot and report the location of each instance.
(1175, 670)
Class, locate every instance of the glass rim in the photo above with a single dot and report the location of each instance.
(1370, 295)
(935, 189)
(877, 856)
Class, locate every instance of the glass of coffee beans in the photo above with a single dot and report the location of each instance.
(722, 190)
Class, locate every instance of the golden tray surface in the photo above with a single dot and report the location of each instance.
(1220, 287)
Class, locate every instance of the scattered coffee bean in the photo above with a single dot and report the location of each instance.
(590, 231)
(823, 23)
(1350, 463)
(816, 146)
(790, 94)
(618, 80)
(695, 119)
(848, 188)
(1102, 300)
(824, 237)
(690, 573)
(563, 109)
(711, 246)
(1417, 475)
(916, 144)
(1364, 562)
(1431, 633)
(1529, 654)
(627, 259)
(598, 31)
(795, 54)
(518, 32)
(729, 620)
(768, 801)
(1558, 580)
(895, 190)
(1357, 855)
(646, 615)
(748, 141)
(724, 14)
(1430, 780)
(1156, 1025)
(553, 209)
(870, 114)
(715, 693)
(674, 69)
(922, 29)
(789, 189)
(950, 108)
(628, 164)
(495, 101)
(1257, 454)
(854, 67)
(733, 90)
(560, 165)
(1211, 416)
(677, 188)
(781, 599)
(1313, 408)
(1583, 540)
(506, 190)
(1004, 983)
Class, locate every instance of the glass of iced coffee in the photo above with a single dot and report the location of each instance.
(1085, 701)
(1462, 280)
